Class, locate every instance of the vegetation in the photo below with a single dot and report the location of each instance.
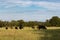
(54, 21)
(29, 34)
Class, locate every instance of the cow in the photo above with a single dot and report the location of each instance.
(21, 26)
(6, 27)
(16, 27)
(41, 27)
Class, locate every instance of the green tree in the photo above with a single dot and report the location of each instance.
(47, 23)
(1, 23)
(54, 21)
(31, 23)
(13, 23)
(21, 24)
(6, 23)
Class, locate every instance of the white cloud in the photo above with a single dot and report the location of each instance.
(48, 5)
(12, 3)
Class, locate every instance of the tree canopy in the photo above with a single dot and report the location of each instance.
(54, 21)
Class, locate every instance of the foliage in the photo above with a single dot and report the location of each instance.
(54, 21)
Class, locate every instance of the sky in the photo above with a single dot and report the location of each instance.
(29, 10)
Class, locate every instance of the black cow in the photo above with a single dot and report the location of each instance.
(6, 27)
(41, 27)
(16, 27)
(21, 26)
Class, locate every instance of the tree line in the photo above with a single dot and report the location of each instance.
(54, 21)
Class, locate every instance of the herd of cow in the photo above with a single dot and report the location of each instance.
(38, 27)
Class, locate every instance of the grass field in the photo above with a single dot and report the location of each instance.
(14, 34)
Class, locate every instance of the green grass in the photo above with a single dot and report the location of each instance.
(54, 35)
(13, 34)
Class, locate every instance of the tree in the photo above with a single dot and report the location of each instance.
(47, 23)
(21, 24)
(31, 24)
(13, 23)
(6, 23)
(54, 21)
(1, 23)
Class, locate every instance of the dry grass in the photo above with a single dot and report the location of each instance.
(26, 34)
(14, 34)
(53, 27)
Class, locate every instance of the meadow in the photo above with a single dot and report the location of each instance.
(29, 34)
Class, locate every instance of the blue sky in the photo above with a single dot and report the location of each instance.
(29, 10)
